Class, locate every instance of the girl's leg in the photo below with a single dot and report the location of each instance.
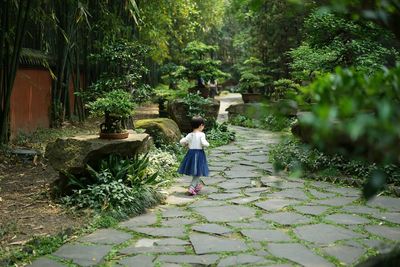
(195, 181)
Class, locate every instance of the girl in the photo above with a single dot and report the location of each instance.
(195, 162)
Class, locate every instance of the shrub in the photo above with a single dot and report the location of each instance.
(120, 186)
(219, 135)
(270, 122)
(291, 155)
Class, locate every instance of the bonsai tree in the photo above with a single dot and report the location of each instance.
(252, 77)
(122, 66)
(199, 62)
(115, 106)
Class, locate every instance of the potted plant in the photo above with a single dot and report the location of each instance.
(251, 80)
(115, 106)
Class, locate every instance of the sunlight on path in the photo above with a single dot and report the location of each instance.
(245, 216)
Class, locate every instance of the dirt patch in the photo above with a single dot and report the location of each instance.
(26, 207)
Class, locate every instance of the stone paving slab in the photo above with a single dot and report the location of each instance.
(313, 210)
(327, 234)
(276, 204)
(45, 262)
(299, 254)
(290, 193)
(223, 196)
(139, 260)
(82, 254)
(389, 203)
(203, 260)
(251, 225)
(106, 237)
(361, 210)
(142, 220)
(321, 195)
(286, 218)
(220, 214)
(242, 259)
(206, 244)
(266, 235)
(335, 202)
(393, 217)
(244, 200)
(212, 228)
(161, 232)
(155, 249)
(207, 203)
(173, 222)
(349, 219)
(179, 200)
(345, 254)
(174, 212)
(388, 232)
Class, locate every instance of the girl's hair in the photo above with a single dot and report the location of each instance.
(197, 121)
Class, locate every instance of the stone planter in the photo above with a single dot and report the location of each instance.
(251, 97)
(178, 111)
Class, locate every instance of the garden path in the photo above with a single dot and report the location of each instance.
(245, 216)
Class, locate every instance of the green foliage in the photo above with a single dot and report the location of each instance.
(116, 103)
(39, 245)
(332, 40)
(252, 76)
(125, 69)
(293, 156)
(196, 105)
(199, 62)
(120, 186)
(219, 135)
(356, 115)
(270, 122)
(285, 88)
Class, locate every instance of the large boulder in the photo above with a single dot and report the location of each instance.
(178, 111)
(162, 130)
(72, 154)
(250, 110)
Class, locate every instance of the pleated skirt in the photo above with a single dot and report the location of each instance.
(194, 163)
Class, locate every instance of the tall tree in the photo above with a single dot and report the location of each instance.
(13, 18)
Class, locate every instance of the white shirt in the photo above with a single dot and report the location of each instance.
(195, 140)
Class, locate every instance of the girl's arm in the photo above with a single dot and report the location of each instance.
(184, 141)
(204, 141)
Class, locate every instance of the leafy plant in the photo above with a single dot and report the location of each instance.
(115, 106)
(125, 69)
(272, 122)
(292, 155)
(219, 134)
(285, 88)
(196, 105)
(252, 78)
(200, 63)
(358, 119)
(120, 185)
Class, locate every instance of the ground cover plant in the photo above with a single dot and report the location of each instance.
(272, 122)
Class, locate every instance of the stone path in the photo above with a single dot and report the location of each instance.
(245, 216)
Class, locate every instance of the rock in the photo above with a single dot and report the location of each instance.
(72, 154)
(163, 130)
(250, 110)
(178, 111)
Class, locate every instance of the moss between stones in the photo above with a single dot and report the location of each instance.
(162, 130)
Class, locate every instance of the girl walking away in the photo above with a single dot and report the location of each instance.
(195, 162)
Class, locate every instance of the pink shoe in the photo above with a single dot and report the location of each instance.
(198, 187)
(192, 191)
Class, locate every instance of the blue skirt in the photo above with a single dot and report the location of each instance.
(194, 163)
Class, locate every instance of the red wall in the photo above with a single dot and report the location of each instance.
(30, 101)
